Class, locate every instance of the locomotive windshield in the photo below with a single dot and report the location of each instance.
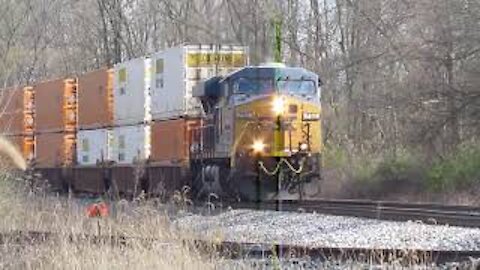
(250, 86)
(268, 80)
(296, 87)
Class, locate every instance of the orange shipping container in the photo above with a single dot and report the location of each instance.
(28, 111)
(55, 106)
(171, 140)
(11, 111)
(54, 149)
(95, 100)
(28, 147)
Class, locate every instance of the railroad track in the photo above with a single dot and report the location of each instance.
(465, 216)
(242, 250)
(428, 213)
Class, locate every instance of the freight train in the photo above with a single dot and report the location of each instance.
(193, 115)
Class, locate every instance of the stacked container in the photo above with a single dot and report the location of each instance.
(93, 146)
(175, 112)
(29, 123)
(130, 136)
(130, 144)
(171, 140)
(16, 118)
(55, 122)
(95, 99)
(95, 117)
(178, 70)
(131, 94)
(142, 109)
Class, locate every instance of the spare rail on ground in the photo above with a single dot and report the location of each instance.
(241, 250)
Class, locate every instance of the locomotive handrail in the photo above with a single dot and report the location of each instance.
(277, 168)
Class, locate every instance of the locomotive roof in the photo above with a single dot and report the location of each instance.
(256, 72)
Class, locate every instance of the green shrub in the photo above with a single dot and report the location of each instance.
(459, 171)
(397, 167)
(334, 156)
(377, 176)
(402, 173)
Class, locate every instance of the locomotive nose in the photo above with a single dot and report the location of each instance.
(275, 126)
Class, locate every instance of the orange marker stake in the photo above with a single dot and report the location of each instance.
(97, 210)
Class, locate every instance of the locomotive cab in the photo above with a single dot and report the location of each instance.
(261, 134)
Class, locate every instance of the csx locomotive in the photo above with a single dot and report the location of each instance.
(261, 137)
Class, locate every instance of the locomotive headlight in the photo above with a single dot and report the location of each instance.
(278, 106)
(258, 146)
(304, 147)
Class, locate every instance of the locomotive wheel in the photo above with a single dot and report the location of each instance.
(208, 181)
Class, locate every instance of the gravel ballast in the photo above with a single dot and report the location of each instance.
(319, 230)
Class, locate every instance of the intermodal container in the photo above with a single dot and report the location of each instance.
(55, 149)
(29, 113)
(177, 70)
(95, 99)
(130, 144)
(171, 140)
(28, 147)
(93, 146)
(55, 106)
(11, 111)
(131, 94)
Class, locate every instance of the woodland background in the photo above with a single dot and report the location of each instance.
(401, 93)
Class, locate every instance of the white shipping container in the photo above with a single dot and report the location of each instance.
(130, 144)
(93, 146)
(131, 93)
(177, 70)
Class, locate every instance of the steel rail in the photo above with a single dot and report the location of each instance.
(241, 250)
(454, 215)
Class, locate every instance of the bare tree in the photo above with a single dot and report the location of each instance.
(396, 73)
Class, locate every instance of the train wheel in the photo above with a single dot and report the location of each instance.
(207, 181)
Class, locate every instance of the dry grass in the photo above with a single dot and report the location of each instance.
(27, 208)
(22, 209)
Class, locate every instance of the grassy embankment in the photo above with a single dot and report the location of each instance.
(26, 207)
(30, 210)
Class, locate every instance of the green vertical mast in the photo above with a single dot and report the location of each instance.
(277, 26)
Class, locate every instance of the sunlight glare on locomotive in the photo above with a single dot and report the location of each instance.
(278, 105)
